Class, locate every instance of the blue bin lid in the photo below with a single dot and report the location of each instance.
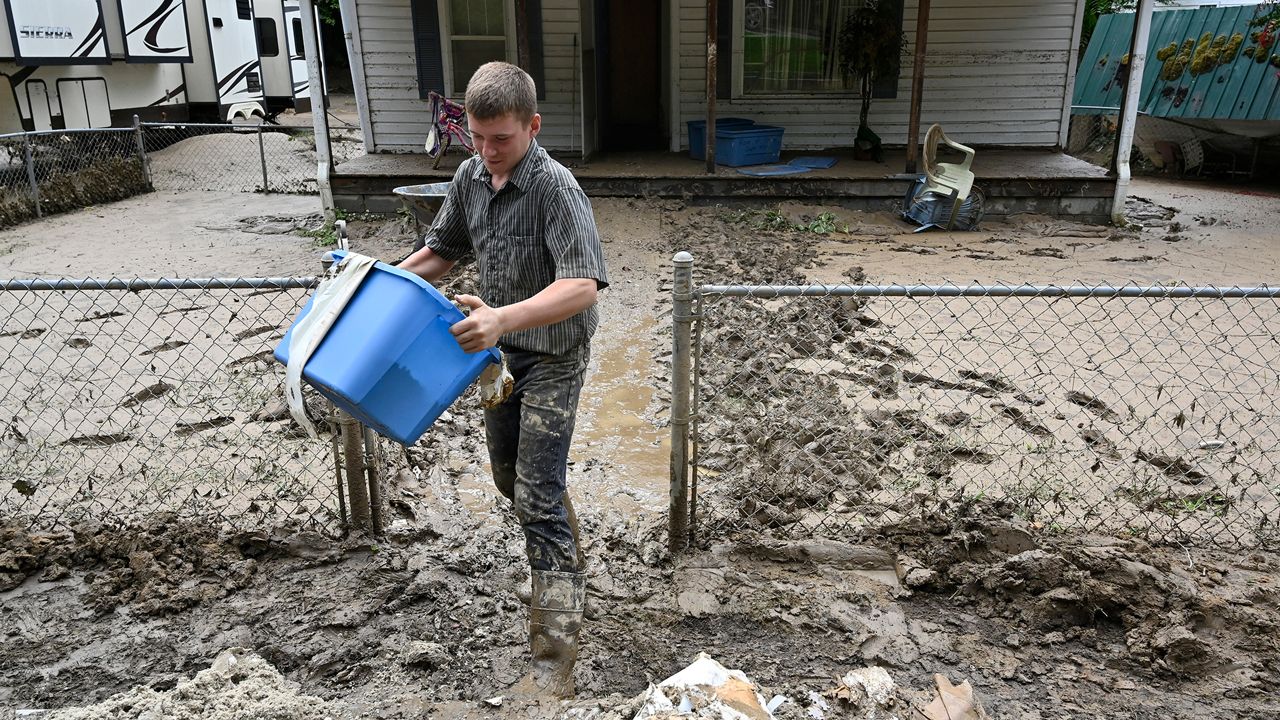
(450, 312)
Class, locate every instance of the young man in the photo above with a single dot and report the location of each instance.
(540, 266)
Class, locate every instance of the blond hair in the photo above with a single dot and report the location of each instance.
(500, 88)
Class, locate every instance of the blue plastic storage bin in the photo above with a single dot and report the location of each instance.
(389, 360)
(698, 134)
(753, 145)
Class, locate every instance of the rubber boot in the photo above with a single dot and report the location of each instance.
(555, 620)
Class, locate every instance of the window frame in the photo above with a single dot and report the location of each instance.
(446, 40)
(264, 37)
(738, 30)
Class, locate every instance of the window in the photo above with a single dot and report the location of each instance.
(297, 38)
(253, 82)
(452, 38)
(477, 35)
(792, 45)
(268, 41)
(244, 9)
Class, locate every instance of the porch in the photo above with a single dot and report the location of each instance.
(1014, 181)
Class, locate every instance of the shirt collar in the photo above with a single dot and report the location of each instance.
(523, 172)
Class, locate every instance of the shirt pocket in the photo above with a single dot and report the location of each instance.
(528, 265)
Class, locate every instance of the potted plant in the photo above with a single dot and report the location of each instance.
(870, 45)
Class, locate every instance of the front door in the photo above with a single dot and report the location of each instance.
(629, 84)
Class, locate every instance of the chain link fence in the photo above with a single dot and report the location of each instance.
(44, 173)
(52, 172)
(233, 158)
(1092, 134)
(120, 399)
(1162, 145)
(829, 411)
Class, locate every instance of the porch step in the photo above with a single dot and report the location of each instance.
(1014, 182)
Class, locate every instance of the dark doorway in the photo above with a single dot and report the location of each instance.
(628, 39)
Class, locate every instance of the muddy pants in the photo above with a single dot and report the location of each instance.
(528, 438)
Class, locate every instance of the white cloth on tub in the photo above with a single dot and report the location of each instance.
(333, 294)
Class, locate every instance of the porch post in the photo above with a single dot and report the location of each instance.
(522, 34)
(319, 113)
(1129, 107)
(355, 51)
(673, 77)
(917, 85)
(711, 87)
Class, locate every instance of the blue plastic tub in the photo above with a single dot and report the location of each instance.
(753, 145)
(389, 359)
(698, 134)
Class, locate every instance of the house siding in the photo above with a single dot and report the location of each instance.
(996, 73)
(398, 118)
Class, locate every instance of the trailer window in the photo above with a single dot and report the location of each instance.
(297, 38)
(244, 9)
(268, 41)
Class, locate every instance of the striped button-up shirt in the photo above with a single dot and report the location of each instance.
(537, 229)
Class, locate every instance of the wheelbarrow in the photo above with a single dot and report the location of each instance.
(423, 201)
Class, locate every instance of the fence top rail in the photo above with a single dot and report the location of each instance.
(71, 131)
(246, 127)
(1048, 291)
(275, 283)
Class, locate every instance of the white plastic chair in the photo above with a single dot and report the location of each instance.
(947, 179)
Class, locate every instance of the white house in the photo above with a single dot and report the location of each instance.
(617, 74)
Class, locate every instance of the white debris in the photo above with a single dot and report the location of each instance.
(239, 685)
(818, 706)
(705, 689)
(874, 682)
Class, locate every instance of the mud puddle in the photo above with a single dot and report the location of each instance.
(619, 426)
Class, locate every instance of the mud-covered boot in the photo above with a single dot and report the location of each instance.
(555, 620)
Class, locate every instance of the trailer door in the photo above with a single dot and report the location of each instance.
(85, 103)
(234, 39)
(38, 103)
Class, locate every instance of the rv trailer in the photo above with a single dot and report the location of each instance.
(97, 63)
(91, 63)
(298, 59)
(284, 64)
(224, 78)
(273, 48)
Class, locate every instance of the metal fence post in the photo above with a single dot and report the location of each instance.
(373, 466)
(262, 155)
(31, 173)
(353, 459)
(142, 152)
(682, 324)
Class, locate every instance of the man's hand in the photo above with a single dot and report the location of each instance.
(558, 301)
(481, 329)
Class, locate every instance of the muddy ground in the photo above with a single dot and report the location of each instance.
(424, 622)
